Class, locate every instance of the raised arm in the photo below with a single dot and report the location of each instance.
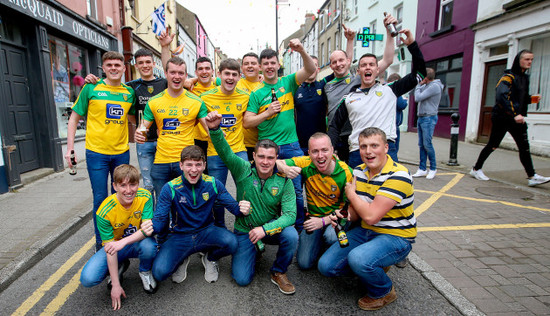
(389, 50)
(309, 64)
(165, 40)
(350, 37)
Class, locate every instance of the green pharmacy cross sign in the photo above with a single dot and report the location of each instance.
(366, 37)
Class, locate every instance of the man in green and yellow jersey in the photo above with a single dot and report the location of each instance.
(381, 196)
(250, 68)
(106, 105)
(204, 71)
(326, 179)
(275, 119)
(231, 103)
(176, 111)
(119, 219)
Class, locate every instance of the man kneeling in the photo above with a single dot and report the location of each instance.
(381, 195)
(188, 200)
(118, 220)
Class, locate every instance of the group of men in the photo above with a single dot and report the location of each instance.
(184, 208)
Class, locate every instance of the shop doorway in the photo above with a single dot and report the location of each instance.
(493, 72)
(18, 110)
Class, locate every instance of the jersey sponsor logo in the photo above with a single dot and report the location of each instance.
(161, 111)
(239, 107)
(205, 196)
(114, 111)
(215, 107)
(143, 99)
(150, 89)
(255, 183)
(170, 124)
(129, 231)
(102, 94)
(319, 91)
(228, 120)
(351, 101)
(183, 200)
(274, 190)
(378, 93)
(299, 96)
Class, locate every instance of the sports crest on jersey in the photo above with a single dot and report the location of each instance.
(274, 190)
(150, 89)
(205, 196)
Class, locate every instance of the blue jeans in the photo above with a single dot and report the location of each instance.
(99, 167)
(96, 269)
(218, 170)
(244, 260)
(366, 256)
(426, 127)
(146, 157)
(161, 173)
(289, 151)
(216, 241)
(355, 156)
(311, 245)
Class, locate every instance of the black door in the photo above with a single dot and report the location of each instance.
(17, 103)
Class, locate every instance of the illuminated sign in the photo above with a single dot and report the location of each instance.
(365, 37)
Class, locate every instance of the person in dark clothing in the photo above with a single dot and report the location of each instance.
(508, 115)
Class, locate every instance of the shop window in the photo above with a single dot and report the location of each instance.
(449, 71)
(67, 71)
(540, 75)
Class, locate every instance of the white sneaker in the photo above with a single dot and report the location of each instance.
(149, 283)
(478, 174)
(210, 269)
(420, 173)
(536, 180)
(181, 273)
(431, 174)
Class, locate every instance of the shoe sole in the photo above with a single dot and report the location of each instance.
(185, 263)
(287, 293)
(535, 184)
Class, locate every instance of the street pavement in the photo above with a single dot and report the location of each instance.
(484, 245)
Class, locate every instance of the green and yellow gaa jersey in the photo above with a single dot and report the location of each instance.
(106, 109)
(175, 119)
(250, 134)
(324, 193)
(281, 127)
(232, 108)
(115, 222)
(198, 89)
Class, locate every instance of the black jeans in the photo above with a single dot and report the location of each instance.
(518, 132)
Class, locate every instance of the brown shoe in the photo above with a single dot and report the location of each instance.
(386, 269)
(372, 304)
(282, 282)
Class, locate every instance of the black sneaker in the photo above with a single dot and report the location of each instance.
(121, 269)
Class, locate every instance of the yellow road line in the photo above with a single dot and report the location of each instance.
(432, 199)
(63, 295)
(485, 200)
(46, 286)
(447, 173)
(481, 227)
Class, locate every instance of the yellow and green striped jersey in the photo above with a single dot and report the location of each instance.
(106, 109)
(281, 127)
(115, 222)
(232, 108)
(393, 182)
(175, 119)
(325, 193)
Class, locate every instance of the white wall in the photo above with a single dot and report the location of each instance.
(189, 54)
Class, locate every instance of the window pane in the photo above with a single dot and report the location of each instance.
(499, 50)
(451, 93)
(446, 14)
(456, 63)
(442, 65)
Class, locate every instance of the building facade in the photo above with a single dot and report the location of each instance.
(47, 48)
(503, 29)
(447, 43)
(330, 33)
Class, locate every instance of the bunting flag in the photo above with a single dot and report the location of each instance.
(159, 20)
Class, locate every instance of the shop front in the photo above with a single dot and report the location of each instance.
(46, 51)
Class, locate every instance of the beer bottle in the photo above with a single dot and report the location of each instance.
(308, 216)
(72, 169)
(260, 247)
(273, 95)
(340, 224)
(391, 27)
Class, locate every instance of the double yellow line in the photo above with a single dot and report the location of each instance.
(64, 293)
